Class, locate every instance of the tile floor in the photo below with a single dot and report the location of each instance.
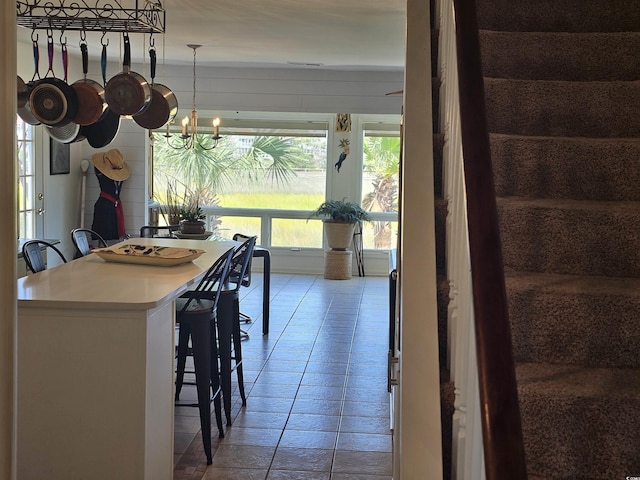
(317, 401)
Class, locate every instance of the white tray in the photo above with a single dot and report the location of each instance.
(149, 255)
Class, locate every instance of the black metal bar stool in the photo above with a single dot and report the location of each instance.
(195, 314)
(246, 282)
(33, 257)
(228, 324)
(83, 238)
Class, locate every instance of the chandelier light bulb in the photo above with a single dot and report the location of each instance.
(185, 123)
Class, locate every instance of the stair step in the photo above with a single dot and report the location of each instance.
(568, 236)
(561, 55)
(564, 109)
(559, 15)
(601, 329)
(579, 422)
(561, 167)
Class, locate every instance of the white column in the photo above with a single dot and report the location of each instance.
(419, 428)
(8, 237)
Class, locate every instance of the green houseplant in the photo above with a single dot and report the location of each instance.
(192, 217)
(340, 218)
(341, 211)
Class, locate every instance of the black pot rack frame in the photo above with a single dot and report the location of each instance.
(147, 16)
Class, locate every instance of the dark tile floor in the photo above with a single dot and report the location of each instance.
(317, 401)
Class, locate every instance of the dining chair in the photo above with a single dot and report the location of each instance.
(33, 257)
(246, 282)
(150, 231)
(228, 324)
(195, 312)
(83, 239)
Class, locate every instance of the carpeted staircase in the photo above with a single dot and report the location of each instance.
(563, 108)
(564, 113)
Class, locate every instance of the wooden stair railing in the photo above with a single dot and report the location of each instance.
(500, 412)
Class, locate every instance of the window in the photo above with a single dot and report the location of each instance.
(258, 164)
(26, 179)
(381, 157)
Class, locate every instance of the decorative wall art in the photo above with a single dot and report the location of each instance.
(344, 144)
(343, 122)
(59, 157)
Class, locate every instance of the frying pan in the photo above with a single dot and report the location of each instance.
(163, 106)
(102, 132)
(69, 133)
(52, 101)
(24, 110)
(23, 93)
(23, 104)
(92, 103)
(127, 93)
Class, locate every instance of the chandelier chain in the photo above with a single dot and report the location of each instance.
(194, 77)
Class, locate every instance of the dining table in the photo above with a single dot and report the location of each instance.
(95, 365)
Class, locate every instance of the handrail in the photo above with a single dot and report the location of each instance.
(500, 412)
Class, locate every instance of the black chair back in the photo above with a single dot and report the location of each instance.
(83, 238)
(214, 279)
(240, 264)
(150, 231)
(246, 278)
(32, 254)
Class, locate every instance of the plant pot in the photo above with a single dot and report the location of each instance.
(339, 235)
(173, 219)
(196, 227)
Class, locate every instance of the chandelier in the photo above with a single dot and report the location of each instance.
(189, 136)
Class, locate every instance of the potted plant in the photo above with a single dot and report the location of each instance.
(340, 218)
(192, 218)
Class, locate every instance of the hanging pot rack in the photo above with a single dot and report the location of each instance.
(147, 16)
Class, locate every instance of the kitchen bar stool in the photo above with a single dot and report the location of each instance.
(246, 282)
(228, 324)
(151, 231)
(83, 239)
(195, 312)
(32, 254)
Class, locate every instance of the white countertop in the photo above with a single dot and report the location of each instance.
(90, 282)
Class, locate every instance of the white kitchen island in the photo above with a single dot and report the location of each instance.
(95, 353)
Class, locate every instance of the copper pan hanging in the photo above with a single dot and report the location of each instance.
(90, 94)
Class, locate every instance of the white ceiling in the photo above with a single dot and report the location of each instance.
(337, 34)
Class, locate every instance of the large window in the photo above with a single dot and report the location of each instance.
(268, 173)
(26, 179)
(260, 164)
